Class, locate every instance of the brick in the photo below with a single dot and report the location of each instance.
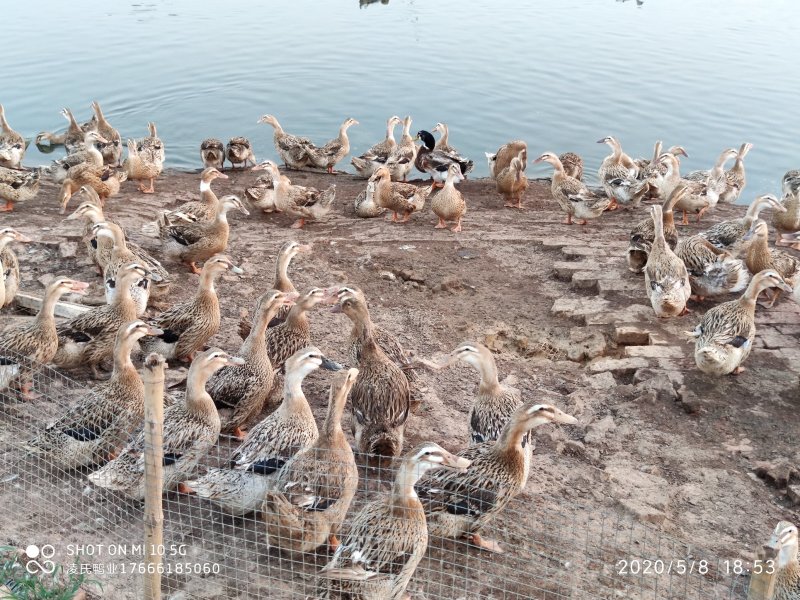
(617, 365)
(654, 351)
(617, 285)
(585, 279)
(628, 335)
(579, 306)
(770, 338)
(566, 269)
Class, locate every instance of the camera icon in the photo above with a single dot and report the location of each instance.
(34, 553)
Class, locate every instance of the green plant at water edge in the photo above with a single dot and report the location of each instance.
(17, 584)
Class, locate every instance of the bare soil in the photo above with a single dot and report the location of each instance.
(663, 464)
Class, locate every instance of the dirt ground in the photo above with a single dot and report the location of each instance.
(712, 462)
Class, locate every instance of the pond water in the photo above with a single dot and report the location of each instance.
(706, 75)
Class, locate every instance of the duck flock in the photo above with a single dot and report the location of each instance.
(298, 477)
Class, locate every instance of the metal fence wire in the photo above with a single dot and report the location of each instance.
(553, 549)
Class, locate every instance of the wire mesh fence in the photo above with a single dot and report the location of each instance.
(552, 549)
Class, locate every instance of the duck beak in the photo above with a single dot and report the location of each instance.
(786, 288)
(305, 248)
(24, 239)
(562, 417)
(456, 462)
(331, 295)
(330, 365)
(235, 360)
(154, 276)
(79, 287)
(416, 138)
(290, 297)
(236, 270)
(222, 175)
(154, 330)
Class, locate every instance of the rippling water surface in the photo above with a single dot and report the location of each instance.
(705, 74)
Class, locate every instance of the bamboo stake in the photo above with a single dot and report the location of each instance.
(762, 585)
(153, 377)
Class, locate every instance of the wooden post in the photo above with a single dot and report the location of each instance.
(153, 377)
(762, 585)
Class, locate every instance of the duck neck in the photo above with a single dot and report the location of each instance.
(206, 193)
(123, 291)
(753, 211)
(616, 152)
(758, 253)
(390, 131)
(450, 182)
(490, 382)
(277, 126)
(343, 133)
(748, 299)
(333, 419)
(293, 395)
(407, 133)
(3, 122)
(197, 398)
(207, 279)
(509, 444)
(282, 282)
(444, 139)
(658, 230)
(559, 174)
(363, 329)
(101, 119)
(122, 356)
(256, 341)
(120, 246)
(46, 313)
(403, 494)
(222, 214)
(656, 152)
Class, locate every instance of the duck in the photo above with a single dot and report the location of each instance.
(72, 139)
(254, 465)
(396, 196)
(652, 173)
(448, 203)
(120, 255)
(436, 162)
(443, 143)
(573, 164)
(387, 537)
(364, 205)
(204, 209)
(199, 241)
(790, 183)
(88, 157)
(93, 430)
(112, 148)
(151, 147)
(261, 193)
(335, 150)
(666, 279)
(724, 337)
(139, 168)
(282, 282)
(376, 157)
(387, 342)
(238, 151)
(303, 203)
(729, 235)
(87, 340)
(502, 158)
(512, 183)
(307, 503)
(401, 159)
(105, 182)
(716, 178)
(242, 391)
(101, 249)
(12, 144)
(786, 222)
(189, 325)
(291, 148)
(735, 176)
(191, 429)
(18, 186)
(212, 153)
(293, 334)
(35, 341)
(460, 504)
(494, 403)
(9, 271)
(642, 236)
(784, 543)
(380, 399)
(712, 272)
(572, 195)
(697, 198)
(760, 256)
(618, 174)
